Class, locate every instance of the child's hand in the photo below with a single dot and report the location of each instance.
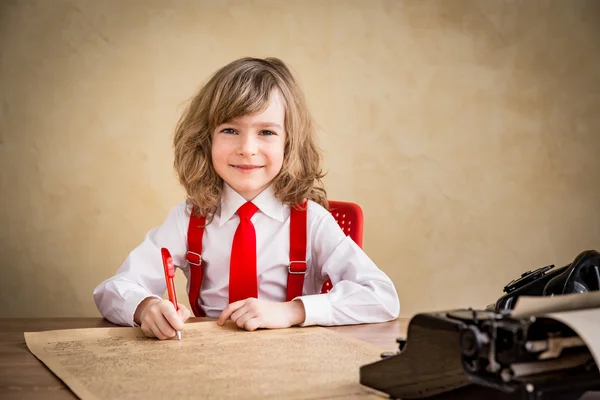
(158, 318)
(251, 314)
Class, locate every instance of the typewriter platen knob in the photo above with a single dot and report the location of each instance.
(472, 341)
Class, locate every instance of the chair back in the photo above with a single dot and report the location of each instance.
(349, 217)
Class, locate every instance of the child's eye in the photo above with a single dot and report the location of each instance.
(228, 131)
(267, 133)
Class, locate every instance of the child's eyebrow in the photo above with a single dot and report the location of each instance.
(254, 125)
(267, 125)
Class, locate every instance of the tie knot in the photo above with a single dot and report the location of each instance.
(247, 211)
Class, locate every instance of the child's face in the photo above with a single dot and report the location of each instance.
(247, 152)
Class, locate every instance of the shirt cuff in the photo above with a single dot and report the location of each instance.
(317, 308)
(131, 304)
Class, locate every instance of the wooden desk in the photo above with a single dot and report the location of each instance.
(23, 376)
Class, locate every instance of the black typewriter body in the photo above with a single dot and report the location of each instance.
(478, 354)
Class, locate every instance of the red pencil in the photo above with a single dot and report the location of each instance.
(170, 278)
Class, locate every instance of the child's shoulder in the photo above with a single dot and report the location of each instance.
(315, 210)
(180, 211)
(183, 207)
(321, 222)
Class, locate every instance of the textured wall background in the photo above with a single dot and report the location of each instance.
(467, 130)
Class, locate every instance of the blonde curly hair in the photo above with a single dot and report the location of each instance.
(241, 88)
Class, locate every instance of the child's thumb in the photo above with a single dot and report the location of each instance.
(183, 312)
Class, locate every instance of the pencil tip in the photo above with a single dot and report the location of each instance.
(178, 335)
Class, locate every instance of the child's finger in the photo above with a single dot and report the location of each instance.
(165, 327)
(183, 312)
(241, 312)
(174, 321)
(230, 309)
(241, 319)
(147, 331)
(170, 317)
(156, 330)
(252, 324)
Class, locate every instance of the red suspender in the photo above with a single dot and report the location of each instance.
(296, 269)
(194, 258)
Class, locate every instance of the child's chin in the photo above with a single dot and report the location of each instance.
(249, 190)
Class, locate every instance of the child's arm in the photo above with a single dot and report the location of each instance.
(141, 276)
(361, 292)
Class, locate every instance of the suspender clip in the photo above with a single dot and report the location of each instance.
(194, 258)
(298, 270)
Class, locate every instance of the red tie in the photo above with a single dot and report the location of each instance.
(242, 269)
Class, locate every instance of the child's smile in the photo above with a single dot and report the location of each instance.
(246, 168)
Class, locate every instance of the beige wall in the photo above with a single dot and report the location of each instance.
(467, 130)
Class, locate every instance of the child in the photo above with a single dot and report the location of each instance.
(247, 139)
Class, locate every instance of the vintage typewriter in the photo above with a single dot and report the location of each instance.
(487, 354)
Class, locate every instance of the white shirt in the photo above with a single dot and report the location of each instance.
(361, 292)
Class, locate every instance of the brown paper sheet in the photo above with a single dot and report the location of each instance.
(533, 305)
(209, 362)
(580, 312)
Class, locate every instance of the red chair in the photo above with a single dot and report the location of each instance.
(349, 217)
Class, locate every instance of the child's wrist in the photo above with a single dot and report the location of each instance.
(297, 312)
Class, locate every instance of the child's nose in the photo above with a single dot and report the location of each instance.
(248, 145)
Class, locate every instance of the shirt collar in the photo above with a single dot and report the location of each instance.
(266, 202)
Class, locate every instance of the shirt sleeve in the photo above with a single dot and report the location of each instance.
(361, 292)
(142, 275)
